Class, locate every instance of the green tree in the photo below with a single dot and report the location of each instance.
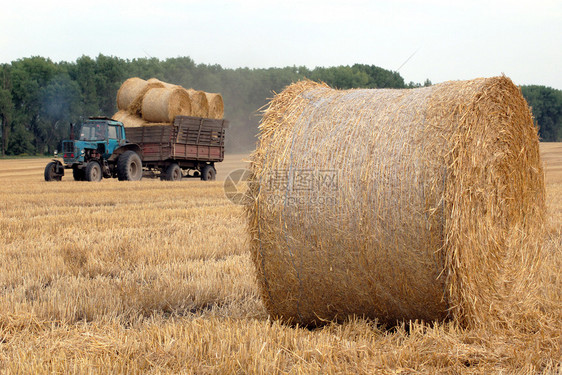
(28, 77)
(21, 140)
(144, 68)
(546, 104)
(341, 77)
(109, 75)
(179, 71)
(6, 109)
(83, 72)
(379, 77)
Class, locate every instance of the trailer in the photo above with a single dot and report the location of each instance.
(189, 147)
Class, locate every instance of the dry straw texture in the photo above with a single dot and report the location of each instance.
(128, 91)
(164, 104)
(131, 94)
(216, 105)
(199, 103)
(135, 98)
(167, 85)
(398, 204)
(129, 120)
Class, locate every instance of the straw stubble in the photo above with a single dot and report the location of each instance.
(128, 119)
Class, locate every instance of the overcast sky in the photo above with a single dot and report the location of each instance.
(444, 39)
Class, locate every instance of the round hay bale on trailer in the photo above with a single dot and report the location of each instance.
(397, 205)
(131, 94)
(199, 103)
(128, 91)
(164, 104)
(216, 105)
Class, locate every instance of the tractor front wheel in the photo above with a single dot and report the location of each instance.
(51, 172)
(93, 171)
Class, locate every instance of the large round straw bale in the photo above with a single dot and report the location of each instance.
(216, 105)
(129, 120)
(136, 106)
(425, 203)
(164, 104)
(199, 104)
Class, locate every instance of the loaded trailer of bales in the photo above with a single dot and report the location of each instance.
(187, 147)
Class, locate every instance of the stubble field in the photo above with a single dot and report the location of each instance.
(156, 277)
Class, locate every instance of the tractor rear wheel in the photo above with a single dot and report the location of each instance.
(129, 166)
(93, 171)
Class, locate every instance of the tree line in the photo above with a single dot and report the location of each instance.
(39, 98)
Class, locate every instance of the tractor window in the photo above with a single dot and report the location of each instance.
(113, 132)
(93, 132)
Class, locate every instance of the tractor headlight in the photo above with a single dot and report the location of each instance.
(56, 153)
(82, 152)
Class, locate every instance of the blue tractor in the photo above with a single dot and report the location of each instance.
(101, 150)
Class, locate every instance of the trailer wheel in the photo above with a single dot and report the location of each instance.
(93, 172)
(173, 173)
(208, 173)
(50, 172)
(129, 166)
(78, 174)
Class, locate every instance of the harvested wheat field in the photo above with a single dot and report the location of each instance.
(157, 277)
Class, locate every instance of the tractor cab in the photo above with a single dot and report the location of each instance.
(98, 138)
